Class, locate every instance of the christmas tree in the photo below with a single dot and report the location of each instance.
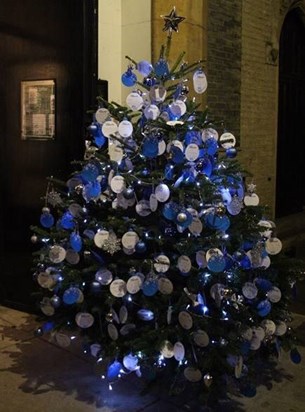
(156, 252)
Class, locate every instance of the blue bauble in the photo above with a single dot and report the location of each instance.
(141, 247)
(93, 128)
(205, 166)
(46, 220)
(149, 81)
(183, 218)
(212, 146)
(245, 262)
(194, 137)
(99, 140)
(128, 78)
(169, 171)
(264, 308)
(71, 296)
(170, 210)
(150, 147)
(177, 155)
(47, 326)
(217, 222)
(231, 152)
(217, 263)
(113, 370)
(92, 190)
(248, 390)
(76, 242)
(150, 287)
(295, 356)
(263, 284)
(66, 221)
(144, 68)
(90, 172)
(161, 68)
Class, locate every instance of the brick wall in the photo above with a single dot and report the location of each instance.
(224, 62)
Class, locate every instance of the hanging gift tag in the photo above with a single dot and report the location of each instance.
(273, 246)
(185, 320)
(249, 290)
(167, 349)
(118, 288)
(84, 320)
(200, 81)
(179, 351)
(209, 133)
(125, 128)
(123, 314)
(192, 374)
(134, 284)
(101, 115)
(135, 101)
(117, 184)
(192, 152)
(274, 294)
(165, 286)
(57, 254)
(227, 140)
(153, 202)
(162, 192)
(72, 257)
(130, 239)
(104, 276)
(251, 199)
(201, 338)
(151, 112)
(109, 128)
(100, 238)
(184, 264)
(143, 208)
(157, 93)
(196, 226)
(112, 331)
(161, 263)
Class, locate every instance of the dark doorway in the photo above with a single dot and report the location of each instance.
(290, 183)
(39, 40)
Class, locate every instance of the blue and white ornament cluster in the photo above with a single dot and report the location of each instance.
(175, 267)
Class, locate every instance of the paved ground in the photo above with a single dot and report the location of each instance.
(36, 375)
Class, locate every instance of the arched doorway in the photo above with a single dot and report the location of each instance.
(290, 182)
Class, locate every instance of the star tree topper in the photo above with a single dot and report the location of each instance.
(171, 21)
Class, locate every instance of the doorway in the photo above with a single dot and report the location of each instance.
(290, 182)
(39, 40)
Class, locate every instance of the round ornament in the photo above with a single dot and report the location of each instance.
(72, 295)
(144, 68)
(143, 208)
(217, 290)
(95, 349)
(151, 112)
(109, 128)
(167, 349)
(100, 238)
(161, 67)
(247, 333)
(179, 351)
(135, 101)
(128, 78)
(104, 276)
(200, 82)
(266, 227)
(269, 327)
(134, 284)
(117, 184)
(145, 314)
(227, 140)
(213, 252)
(161, 263)
(84, 320)
(125, 128)
(249, 290)
(57, 254)
(196, 226)
(281, 328)
(130, 239)
(46, 280)
(162, 192)
(175, 143)
(192, 152)
(153, 202)
(209, 133)
(131, 362)
(192, 374)
(201, 338)
(258, 332)
(62, 340)
(184, 264)
(264, 308)
(251, 199)
(72, 257)
(274, 294)
(118, 288)
(46, 220)
(235, 206)
(112, 331)
(76, 242)
(273, 246)
(177, 108)
(150, 287)
(185, 320)
(165, 286)
(101, 115)
(217, 263)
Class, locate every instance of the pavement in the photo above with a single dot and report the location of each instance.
(37, 375)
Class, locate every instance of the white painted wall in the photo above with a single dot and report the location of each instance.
(124, 29)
